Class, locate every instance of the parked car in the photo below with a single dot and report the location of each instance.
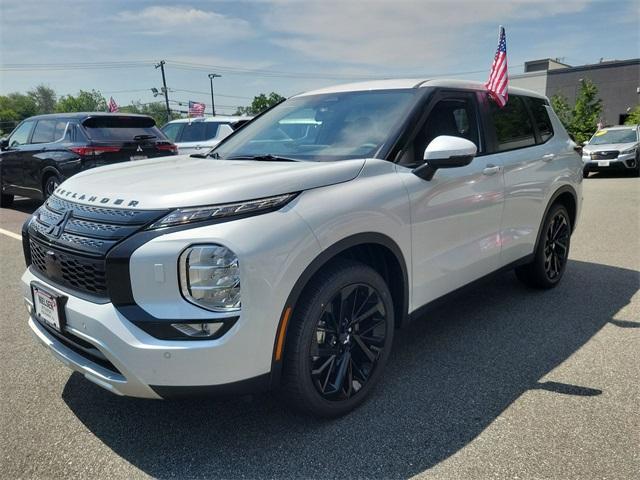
(280, 262)
(44, 150)
(613, 149)
(201, 134)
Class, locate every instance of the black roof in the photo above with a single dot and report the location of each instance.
(85, 115)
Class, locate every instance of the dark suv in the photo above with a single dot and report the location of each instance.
(43, 151)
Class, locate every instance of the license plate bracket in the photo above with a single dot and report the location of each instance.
(48, 307)
(603, 163)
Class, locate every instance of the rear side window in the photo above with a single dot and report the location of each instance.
(513, 124)
(47, 131)
(172, 130)
(121, 129)
(541, 118)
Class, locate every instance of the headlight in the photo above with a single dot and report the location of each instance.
(629, 151)
(197, 214)
(210, 277)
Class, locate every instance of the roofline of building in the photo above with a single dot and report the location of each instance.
(595, 66)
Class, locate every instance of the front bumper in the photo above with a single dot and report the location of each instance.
(623, 162)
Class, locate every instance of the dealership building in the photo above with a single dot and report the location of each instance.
(618, 83)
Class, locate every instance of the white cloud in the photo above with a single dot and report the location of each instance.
(404, 33)
(163, 20)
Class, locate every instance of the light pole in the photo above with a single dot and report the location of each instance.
(213, 104)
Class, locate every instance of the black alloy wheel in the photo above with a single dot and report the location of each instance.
(339, 339)
(348, 341)
(552, 253)
(556, 245)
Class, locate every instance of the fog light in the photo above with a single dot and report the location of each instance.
(198, 329)
(210, 277)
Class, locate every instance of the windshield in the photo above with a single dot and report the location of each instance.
(337, 126)
(622, 135)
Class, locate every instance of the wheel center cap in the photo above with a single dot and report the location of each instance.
(345, 338)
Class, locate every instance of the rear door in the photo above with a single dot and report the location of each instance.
(13, 158)
(520, 142)
(116, 138)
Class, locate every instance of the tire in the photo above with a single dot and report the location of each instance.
(316, 349)
(6, 200)
(550, 258)
(49, 185)
(585, 173)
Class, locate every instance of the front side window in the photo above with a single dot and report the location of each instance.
(513, 124)
(21, 134)
(326, 127)
(541, 117)
(619, 135)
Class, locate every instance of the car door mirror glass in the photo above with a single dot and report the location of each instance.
(446, 152)
(4, 143)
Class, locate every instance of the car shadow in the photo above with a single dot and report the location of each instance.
(450, 375)
(612, 174)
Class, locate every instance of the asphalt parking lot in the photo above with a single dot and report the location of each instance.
(504, 383)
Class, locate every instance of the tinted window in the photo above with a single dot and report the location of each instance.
(513, 125)
(20, 134)
(121, 129)
(47, 131)
(198, 131)
(172, 130)
(541, 117)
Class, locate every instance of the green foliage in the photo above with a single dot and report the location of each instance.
(634, 116)
(45, 98)
(581, 121)
(15, 107)
(85, 101)
(260, 103)
(157, 110)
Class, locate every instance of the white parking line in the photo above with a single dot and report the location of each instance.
(10, 234)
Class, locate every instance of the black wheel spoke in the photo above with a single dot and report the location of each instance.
(349, 338)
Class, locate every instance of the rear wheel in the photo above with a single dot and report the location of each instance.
(49, 185)
(550, 260)
(339, 340)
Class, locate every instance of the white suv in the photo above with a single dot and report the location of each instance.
(201, 134)
(288, 262)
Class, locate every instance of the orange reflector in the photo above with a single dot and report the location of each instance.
(283, 329)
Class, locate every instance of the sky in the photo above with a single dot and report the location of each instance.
(290, 46)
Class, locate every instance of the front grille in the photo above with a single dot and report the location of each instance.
(68, 242)
(605, 155)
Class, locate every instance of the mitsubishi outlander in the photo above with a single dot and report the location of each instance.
(281, 261)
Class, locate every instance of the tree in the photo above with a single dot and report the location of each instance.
(85, 101)
(634, 116)
(15, 107)
(260, 103)
(581, 121)
(45, 98)
(157, 110)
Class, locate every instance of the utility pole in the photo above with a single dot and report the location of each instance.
(213, 105)
(164, 87)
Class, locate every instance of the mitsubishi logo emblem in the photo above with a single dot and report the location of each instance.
(56, 229)
(139, 149)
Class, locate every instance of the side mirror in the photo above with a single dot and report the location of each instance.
(4, 143)
(445, 152)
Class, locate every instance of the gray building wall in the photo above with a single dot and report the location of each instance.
(617, 82)
(536, 81)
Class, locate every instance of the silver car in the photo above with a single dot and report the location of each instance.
(613, 149)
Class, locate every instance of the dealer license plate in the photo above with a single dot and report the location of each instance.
(603, 163)
(48, 308)
(137, 157)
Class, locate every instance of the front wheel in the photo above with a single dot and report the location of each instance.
(550, 258)
(339, 340)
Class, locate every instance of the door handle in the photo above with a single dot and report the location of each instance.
(548, 157)
(491, 169)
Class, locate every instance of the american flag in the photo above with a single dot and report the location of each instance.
(196, 109)
(112, 105)
(499, 77)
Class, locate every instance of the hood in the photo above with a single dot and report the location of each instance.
(621, 147)
(183, 181)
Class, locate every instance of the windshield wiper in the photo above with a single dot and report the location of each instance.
(264, 158)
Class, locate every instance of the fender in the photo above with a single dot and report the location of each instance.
(320, 261)
(554, 197)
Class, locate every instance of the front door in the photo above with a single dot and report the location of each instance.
(456, 215)
(12, 159)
